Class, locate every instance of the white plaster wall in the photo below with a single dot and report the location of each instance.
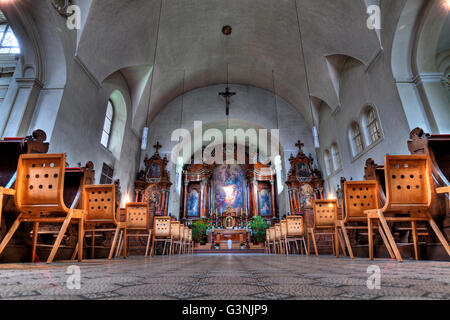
(251, 107)
(360, 88)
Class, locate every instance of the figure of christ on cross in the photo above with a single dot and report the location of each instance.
(227, 95)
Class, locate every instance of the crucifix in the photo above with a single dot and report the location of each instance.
(299, 145)
(157, 146)
(227, 95)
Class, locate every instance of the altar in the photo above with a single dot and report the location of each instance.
(222, 235)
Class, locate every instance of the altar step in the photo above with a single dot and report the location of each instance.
(236, 248)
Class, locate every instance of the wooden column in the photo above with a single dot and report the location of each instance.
(272, 186)
(166, 207)
(255, 197)
(202, 199)
(291, 202)
(185, 195)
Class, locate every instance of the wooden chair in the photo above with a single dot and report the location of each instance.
(182, 239)
(138, 221)
(5, 192)
(283, 230)
(278, 241)
(175, 228)
(161, 233)
(186, 246)
(99, 201)
(267, 242)
(272, 241)
(359, 197)
(191, 241)
(408, 199)
(39, 198)
(325, 223)
(295, 231)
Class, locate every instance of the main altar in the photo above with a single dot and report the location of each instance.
(241, 191)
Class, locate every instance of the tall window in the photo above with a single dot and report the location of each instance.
(8, 40)
(373, 126)
(107, 127)
(357, 139)
(328, 162)
(336, 156)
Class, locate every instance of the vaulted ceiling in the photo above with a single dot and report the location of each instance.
(169, 46)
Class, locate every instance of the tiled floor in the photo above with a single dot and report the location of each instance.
(220, 277)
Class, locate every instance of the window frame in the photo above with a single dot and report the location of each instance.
(357, 148)
(111, 122)
(336, 156)
(371, 124)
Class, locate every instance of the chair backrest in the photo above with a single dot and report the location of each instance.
(272, 234)
(175, 230)
(100, 203)
(161, 227)
(325, 213)
(190, 235)
(40, 183)
(283, 228)
(137, 216)
(360, 196)
(181, 232)
(267, 235)
(186, 234)
(407, 183)
(277, 231)
(295, 226)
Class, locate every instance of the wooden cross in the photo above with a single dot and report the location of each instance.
(157, 146)
(227, 95)
(300, 145)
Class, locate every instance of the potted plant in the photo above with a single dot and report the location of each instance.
(217, 244)
(199, 231)
(243, 244)
(259, 227)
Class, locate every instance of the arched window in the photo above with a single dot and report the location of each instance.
(107, 127)
(356, 139)
(373, 126)
(336, 156)
(8, 40)
(328, 162)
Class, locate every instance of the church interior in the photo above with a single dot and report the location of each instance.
(225, 150)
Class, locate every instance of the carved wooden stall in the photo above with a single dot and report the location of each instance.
(153, 185)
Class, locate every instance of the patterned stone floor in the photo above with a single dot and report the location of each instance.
(227, 277)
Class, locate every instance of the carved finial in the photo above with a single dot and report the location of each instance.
(157, 146)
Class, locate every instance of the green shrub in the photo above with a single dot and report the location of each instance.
(259, 227)
(199, 229)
